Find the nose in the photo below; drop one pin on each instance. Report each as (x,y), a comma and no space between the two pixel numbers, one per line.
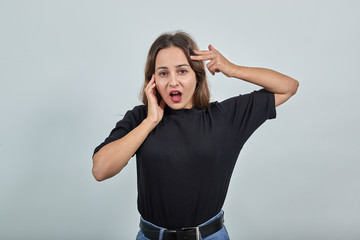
(173,81)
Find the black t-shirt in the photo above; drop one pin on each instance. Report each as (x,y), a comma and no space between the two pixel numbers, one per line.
(185,164)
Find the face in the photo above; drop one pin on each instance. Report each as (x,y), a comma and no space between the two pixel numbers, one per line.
(175,80)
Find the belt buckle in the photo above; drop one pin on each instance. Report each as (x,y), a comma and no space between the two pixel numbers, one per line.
(196,230)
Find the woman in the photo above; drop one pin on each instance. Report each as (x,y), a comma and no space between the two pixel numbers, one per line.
(186,147)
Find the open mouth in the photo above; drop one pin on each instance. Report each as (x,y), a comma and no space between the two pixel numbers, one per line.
(175,96)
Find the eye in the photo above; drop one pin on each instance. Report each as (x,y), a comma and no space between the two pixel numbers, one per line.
(162,74)
(182,71)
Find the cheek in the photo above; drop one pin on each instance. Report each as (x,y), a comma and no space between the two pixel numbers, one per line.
(161,89)
(192,81)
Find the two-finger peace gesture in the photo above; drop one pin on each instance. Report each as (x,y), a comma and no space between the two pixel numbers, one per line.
(218,63)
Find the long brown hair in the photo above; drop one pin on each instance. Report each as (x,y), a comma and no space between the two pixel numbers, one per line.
(182,40)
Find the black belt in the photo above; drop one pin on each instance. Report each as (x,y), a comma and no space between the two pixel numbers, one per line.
(191,233)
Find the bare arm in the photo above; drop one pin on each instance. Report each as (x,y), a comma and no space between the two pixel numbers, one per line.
(113,157)
(281,85)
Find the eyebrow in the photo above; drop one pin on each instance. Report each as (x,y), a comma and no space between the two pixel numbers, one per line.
(177,66)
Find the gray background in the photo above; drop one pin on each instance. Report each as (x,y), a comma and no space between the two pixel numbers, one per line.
(69,70)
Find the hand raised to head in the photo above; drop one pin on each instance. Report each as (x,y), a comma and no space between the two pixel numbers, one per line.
(218,63)
(155,110)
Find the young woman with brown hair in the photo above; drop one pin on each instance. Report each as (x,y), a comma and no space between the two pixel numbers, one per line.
(186,147)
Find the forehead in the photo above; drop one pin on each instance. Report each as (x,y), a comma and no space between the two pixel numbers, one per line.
(171,56)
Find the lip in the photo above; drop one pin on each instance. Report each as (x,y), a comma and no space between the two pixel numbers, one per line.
(175,98)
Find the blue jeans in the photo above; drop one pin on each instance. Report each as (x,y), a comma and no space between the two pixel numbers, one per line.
(222,234)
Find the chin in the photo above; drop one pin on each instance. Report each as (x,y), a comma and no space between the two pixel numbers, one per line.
(175,106)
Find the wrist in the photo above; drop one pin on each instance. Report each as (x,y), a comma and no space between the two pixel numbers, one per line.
(149,123)
(234,71)
(237,71)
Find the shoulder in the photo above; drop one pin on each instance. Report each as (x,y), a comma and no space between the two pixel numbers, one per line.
(139,110)
(245,98)
(135,115)
(259,100)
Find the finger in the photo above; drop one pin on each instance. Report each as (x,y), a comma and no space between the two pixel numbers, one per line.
(211,48)
(198,58)
(152,80)
(211,71)
(213,67)
(201,51)
(203,57)
(150,92)
(150,88)
(209,66)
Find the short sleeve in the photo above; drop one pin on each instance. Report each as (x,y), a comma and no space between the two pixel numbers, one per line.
(247,112)
(130,121)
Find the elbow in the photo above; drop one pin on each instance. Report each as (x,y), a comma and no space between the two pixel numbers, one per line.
(106,165)
(97,171)
(97,174)
(102,169)
(294,87)
(280,98)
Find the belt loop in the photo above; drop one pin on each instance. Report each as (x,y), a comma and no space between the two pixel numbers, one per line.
(161,233)
(197,233)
